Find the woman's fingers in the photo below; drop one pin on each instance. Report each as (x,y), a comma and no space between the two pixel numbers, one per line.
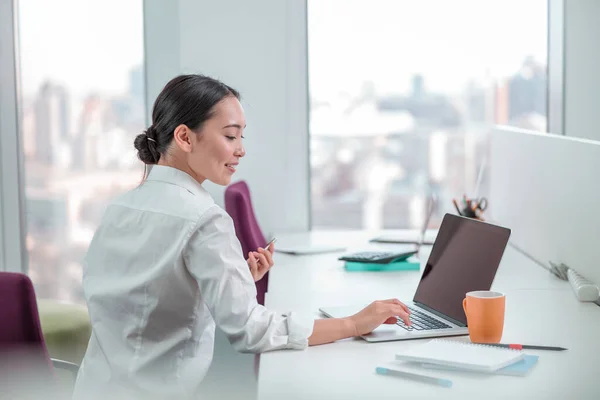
(253,264)
(261,259)
(398,311)
(396,301)
(404,307)
(268,255)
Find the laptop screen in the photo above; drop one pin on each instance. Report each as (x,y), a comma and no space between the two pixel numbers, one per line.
(465,257)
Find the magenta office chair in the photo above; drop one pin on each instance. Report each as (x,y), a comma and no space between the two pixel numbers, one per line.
(23,350)
(238,205)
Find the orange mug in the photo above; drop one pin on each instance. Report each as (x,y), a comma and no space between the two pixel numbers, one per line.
(485,315)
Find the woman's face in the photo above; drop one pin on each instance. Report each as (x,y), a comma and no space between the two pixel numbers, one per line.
(216,151)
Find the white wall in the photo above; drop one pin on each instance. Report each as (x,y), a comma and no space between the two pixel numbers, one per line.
(582,63)
(259,48)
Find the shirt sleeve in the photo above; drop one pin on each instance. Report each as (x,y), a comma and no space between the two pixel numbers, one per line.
(214,258)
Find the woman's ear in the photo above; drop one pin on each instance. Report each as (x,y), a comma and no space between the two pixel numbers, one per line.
(183,139)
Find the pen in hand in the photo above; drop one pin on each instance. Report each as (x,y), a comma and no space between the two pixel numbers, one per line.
(266,248)
(270,243)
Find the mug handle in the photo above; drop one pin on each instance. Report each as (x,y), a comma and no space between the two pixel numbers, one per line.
(465,305)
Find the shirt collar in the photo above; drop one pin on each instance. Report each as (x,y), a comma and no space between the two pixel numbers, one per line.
(174,176)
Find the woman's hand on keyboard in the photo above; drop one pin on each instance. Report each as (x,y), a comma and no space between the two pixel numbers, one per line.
(379,312)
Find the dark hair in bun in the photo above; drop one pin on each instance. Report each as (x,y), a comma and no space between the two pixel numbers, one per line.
(146,145)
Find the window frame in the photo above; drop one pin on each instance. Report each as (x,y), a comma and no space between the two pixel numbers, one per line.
(556,67)
(13,251)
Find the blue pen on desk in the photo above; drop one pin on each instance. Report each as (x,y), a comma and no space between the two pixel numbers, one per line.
(412,375)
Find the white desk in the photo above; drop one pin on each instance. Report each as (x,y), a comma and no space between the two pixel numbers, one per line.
(540,309)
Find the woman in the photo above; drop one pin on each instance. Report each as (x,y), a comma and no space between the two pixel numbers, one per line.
(165,266)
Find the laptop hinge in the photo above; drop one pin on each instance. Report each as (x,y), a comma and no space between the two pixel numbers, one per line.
(439,314)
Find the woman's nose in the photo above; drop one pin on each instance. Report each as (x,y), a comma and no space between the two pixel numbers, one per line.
(240,152)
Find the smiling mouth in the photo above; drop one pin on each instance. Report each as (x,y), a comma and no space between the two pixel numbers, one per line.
(231,167)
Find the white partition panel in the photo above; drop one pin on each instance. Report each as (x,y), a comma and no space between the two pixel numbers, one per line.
(546,188)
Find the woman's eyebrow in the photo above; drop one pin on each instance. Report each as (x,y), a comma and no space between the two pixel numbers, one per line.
(238,126)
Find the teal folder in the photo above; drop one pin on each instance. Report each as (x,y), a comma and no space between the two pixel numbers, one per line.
(410,264)
(520,368)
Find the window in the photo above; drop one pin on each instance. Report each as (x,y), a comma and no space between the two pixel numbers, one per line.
(403,94)
(82,101)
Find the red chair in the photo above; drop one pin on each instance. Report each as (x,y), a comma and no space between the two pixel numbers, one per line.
(238,205)
(25,365)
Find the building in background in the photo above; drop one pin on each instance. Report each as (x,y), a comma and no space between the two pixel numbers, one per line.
(402,109)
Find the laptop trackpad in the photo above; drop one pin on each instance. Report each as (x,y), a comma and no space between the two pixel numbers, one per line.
(386,332)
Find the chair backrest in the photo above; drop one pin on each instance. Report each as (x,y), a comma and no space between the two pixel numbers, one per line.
(238,204)
(22,344)
(19,318)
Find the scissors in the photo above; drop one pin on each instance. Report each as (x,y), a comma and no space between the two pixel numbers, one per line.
(480,204)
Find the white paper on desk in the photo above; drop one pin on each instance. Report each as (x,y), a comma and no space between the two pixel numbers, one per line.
(309,249)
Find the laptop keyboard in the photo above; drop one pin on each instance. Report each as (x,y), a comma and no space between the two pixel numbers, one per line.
(421,321)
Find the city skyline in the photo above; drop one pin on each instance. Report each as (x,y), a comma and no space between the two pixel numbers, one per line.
(59,127)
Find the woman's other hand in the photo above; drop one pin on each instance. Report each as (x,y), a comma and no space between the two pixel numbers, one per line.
(260,262)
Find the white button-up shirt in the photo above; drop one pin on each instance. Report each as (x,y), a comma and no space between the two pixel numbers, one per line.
(163,267)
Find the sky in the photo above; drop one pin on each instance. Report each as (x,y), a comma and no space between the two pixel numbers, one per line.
(448,42)
(90,45)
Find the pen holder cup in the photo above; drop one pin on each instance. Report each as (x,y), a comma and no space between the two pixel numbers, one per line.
(471,208)
(469,213)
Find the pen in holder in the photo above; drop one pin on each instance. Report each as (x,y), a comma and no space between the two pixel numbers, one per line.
(471,208)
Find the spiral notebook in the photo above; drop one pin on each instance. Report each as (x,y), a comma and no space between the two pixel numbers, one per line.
(520,368)
(467,356)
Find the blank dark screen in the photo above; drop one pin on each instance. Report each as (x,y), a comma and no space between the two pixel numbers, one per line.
(465,257)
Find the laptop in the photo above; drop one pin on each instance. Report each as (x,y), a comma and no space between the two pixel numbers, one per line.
(409,237)
(465,257)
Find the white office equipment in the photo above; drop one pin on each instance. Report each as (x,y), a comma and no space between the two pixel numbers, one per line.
(584,290)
